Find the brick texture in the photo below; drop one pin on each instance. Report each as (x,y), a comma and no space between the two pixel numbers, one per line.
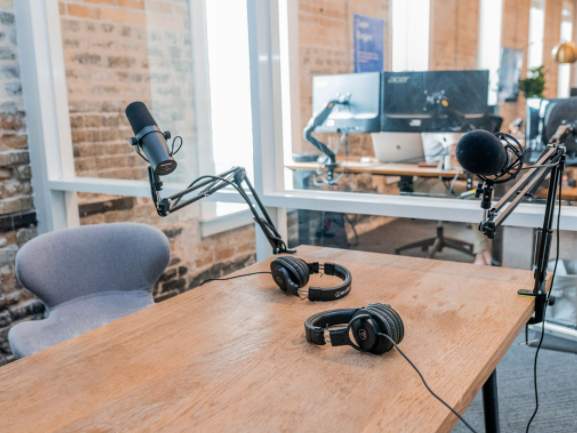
(17,216)
(135,50)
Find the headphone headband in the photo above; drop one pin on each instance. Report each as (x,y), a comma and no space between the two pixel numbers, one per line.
(316,325)
(331,293)
(292,274)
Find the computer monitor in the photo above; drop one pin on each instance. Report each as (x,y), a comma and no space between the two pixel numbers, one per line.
(544,116)
(413,101)
(361,114)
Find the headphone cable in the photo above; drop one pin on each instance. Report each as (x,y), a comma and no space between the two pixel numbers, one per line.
(425,383)
(232,278)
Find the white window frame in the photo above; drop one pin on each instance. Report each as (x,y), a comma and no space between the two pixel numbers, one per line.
(210,223)
(55,183)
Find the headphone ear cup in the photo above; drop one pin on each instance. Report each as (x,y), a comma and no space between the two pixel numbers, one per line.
(399,325)
(365,332)
(301,268)
(297,267)
(388,322)
(290,273)
(282,278)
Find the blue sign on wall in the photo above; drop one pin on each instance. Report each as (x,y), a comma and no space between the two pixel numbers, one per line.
(369,43)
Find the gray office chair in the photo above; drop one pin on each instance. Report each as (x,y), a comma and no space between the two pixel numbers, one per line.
(87,277)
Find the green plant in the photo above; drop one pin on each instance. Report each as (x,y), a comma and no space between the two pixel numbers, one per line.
(534,84)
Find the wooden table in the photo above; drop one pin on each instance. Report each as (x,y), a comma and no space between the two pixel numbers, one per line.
(232,356)
(567,193)
(381,168)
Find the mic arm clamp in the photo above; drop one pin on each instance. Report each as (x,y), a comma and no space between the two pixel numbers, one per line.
(206,186)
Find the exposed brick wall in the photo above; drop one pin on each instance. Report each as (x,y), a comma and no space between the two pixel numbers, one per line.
(17,215)
(454,30)
(116,52)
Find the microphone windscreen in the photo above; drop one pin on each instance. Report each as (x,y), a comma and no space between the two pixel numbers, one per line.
(481,153)
(139,117)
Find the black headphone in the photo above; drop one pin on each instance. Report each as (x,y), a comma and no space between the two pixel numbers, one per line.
(292,274)
(369,326)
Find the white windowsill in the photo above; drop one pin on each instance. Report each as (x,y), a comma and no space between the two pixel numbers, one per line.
(216,225)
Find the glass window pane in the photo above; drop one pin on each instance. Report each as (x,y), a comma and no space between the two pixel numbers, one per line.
(566,35)
(373,117)
(176,56)
(536,33)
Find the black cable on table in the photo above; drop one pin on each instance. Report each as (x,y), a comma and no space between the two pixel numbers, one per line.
(427,386)
(232,278)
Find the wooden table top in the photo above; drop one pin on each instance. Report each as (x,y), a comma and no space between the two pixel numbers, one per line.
(232,356)
(381,168)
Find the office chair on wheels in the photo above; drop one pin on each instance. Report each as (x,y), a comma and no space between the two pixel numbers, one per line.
(87,277)
(438,243)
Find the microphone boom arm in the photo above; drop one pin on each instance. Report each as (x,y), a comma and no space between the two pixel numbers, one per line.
(551,161)
(206,186)
(316,121)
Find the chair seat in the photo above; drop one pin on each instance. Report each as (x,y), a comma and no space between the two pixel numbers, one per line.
(75,317)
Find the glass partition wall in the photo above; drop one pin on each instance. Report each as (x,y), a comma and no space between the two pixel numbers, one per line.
(406,168)
(240,92)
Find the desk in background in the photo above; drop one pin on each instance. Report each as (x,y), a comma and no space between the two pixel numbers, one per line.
(382,168)
(567,193)
(232,356)
(304,170)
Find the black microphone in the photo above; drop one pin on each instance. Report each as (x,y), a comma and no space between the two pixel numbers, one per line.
(150,138)
(481,153)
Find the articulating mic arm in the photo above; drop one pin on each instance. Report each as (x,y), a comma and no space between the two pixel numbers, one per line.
(317,121)
(207,185)
(441,105)
(551,161)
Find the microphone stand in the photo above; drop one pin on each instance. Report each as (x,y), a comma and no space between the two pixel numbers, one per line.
(207,185)
(551,161)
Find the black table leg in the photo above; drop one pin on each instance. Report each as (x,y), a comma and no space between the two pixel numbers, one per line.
(491,404)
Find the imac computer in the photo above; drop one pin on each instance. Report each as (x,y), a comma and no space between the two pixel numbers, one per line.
(544,116)
(434,101)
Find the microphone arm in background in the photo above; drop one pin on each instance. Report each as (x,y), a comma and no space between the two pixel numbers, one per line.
(316,121)
(551,162)
(442,106)
(208,185)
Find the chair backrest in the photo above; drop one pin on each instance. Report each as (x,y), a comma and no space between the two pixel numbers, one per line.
(63,265)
